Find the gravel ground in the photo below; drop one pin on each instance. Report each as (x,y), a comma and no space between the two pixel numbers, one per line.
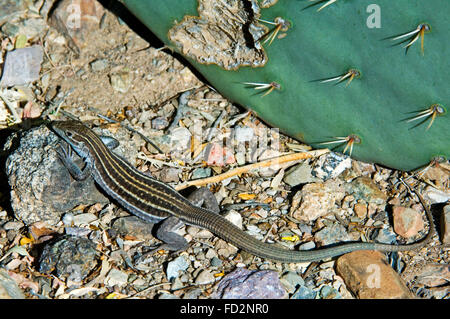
(126,86)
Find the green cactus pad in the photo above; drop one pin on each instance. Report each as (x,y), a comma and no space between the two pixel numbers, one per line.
(352,73)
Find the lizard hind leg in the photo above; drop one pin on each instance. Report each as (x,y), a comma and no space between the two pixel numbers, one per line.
(166,232)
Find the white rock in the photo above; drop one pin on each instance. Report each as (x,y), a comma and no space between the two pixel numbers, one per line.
(116,277)
(234,217)
(436,196)
(204,277)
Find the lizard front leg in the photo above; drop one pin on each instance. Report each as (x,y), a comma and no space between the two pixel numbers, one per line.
(65,154)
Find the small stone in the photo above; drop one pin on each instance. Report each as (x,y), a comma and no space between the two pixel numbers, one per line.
(436,196)
(204,277)
(328,292)
(99,65)
(216,262)
(67,219)
(332,234)
(8,287)
(291,281)
(407,221)
(84,219)
(445,225)
(116,277)
(234,217)
(307,246)
(175,266)
(22,66)
(133,226)
(169,175)
(121,81)
(360,210)
(246,284)
(71,257)
(365,188)
(331,165)
(385,236)
(299,174)
(304,292)
(210,253)
(160,123)
(201,173)
(166,295)
(12,225)
(316,200)
(368,275)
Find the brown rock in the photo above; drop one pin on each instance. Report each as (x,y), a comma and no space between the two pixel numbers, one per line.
(407,221)
(367,274)
(316,199)
(360,210)
(366,189)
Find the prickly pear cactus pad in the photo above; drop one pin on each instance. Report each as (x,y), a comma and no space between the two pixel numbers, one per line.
(368,78)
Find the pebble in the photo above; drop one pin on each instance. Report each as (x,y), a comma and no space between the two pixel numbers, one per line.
(234,217)
(99,65)
(216,262)
(175,266)
(407,221)
(368,275)
(247,284)
(365,188)
(307,246)
(169,175)
(8,287)
(316,199)
(331,165)
(22,66)
(133,226)
(435,196)
(121,81)
(299,174)
(386,236)
(328,292)
(116,277)
(445,225)
(201,173)
(360,210)
(332,234)
(304,292)
(160,123)
(291,281)
(67,219)
(12,225)
(71,257)
(205,277)
(84,219)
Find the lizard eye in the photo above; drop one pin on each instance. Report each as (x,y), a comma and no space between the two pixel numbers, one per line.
(69,134)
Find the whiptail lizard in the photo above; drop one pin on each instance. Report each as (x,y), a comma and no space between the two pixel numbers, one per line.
(155,201)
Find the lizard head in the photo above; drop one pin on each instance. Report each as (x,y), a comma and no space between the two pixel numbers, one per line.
(75,133)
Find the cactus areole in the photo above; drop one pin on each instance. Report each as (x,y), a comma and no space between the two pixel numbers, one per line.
(365,77)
